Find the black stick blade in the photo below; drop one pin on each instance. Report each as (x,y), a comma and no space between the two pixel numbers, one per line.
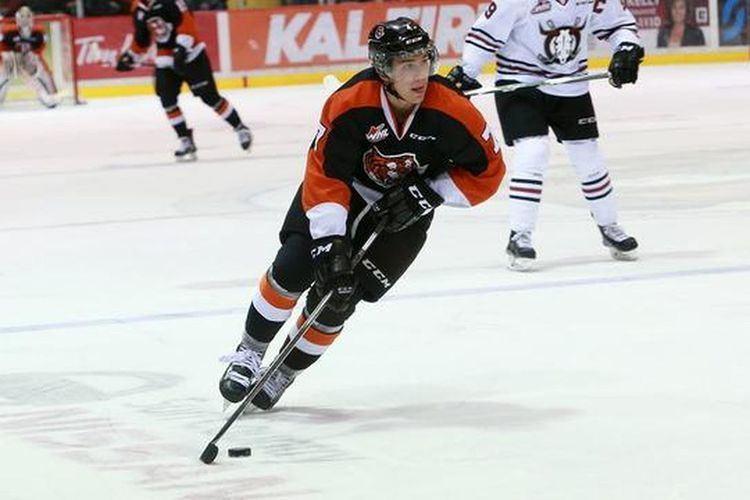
(209,454)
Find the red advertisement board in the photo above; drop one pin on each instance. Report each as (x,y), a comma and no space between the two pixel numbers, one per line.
(99,40)
(265,39)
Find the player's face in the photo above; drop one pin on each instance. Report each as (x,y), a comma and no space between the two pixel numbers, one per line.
(410,77)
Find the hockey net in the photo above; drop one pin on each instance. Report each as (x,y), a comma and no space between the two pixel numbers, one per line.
(59,55)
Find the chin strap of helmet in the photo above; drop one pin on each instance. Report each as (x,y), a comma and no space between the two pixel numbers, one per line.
(388,86)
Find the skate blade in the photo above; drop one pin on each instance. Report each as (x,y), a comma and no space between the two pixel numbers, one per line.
(624,256)
(186,158)
(521,264)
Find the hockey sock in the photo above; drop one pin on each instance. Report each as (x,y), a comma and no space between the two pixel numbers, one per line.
(312,345)
(594,177)
(530,158)
(227,112)
(177,120)
(271,306)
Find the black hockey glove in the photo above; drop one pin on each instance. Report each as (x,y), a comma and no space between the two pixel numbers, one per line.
(461,80)
(126,62)
(624,65)
(405,204)
(332,269)
(179,58)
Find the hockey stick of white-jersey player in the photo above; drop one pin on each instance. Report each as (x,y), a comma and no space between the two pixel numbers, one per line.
(549,82)
(211,450)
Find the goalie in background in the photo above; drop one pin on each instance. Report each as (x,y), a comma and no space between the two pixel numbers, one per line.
(180,57)
(21,47)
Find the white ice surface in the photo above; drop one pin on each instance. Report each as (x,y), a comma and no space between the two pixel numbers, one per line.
(124,276)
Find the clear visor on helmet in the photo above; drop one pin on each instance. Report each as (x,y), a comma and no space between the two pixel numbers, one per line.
(412,64)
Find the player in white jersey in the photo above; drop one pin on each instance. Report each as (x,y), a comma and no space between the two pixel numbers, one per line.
(533,40)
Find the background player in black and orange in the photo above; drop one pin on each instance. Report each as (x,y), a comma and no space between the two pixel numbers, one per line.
(180,57)
(21,45)
(394,142)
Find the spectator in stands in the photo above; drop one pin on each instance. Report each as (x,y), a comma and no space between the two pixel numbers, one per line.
(678,26)
(207,4)
(105,7)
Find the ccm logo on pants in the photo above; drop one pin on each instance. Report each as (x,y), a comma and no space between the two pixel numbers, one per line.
(379,275)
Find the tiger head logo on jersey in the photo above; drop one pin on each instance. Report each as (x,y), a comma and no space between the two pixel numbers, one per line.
(561,45)
(386,170)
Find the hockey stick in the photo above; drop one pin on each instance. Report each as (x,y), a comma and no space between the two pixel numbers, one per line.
(549,82)
(211,450)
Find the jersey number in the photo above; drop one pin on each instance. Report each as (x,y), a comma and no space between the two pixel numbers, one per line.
(491,8)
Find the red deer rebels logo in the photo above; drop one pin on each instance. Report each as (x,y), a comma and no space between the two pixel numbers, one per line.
(562,44)
(386,170)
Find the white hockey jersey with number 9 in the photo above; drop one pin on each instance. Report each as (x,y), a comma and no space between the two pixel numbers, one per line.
(532,40)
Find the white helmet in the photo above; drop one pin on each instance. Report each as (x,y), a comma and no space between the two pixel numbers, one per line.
(24,18)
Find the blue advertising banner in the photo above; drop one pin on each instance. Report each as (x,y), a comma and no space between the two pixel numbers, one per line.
(734,22)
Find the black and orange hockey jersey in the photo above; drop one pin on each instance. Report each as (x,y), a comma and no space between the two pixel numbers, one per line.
(12,40)
(167,23)
(359,146)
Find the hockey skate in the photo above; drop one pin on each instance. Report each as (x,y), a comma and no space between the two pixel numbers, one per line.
(274,388)
(245,137)
(243,369)
(621,246)
(521,253)
(186,150)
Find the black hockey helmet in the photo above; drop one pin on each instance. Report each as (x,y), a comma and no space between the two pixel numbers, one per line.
(400,37)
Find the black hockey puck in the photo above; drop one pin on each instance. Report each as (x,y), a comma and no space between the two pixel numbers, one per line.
(240,452)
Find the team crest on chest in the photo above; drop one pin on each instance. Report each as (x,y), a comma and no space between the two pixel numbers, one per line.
(561,45)
(387,170)
(377,133)
(160,29)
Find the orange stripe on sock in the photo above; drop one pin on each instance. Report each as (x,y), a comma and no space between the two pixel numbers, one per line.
(319,338)
(174,114)
(273,297)
(223,105)
(316,336)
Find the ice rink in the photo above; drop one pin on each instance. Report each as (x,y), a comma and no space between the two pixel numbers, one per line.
(125,276)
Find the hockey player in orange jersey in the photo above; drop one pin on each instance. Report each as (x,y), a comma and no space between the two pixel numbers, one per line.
(394,143)
(180,57)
